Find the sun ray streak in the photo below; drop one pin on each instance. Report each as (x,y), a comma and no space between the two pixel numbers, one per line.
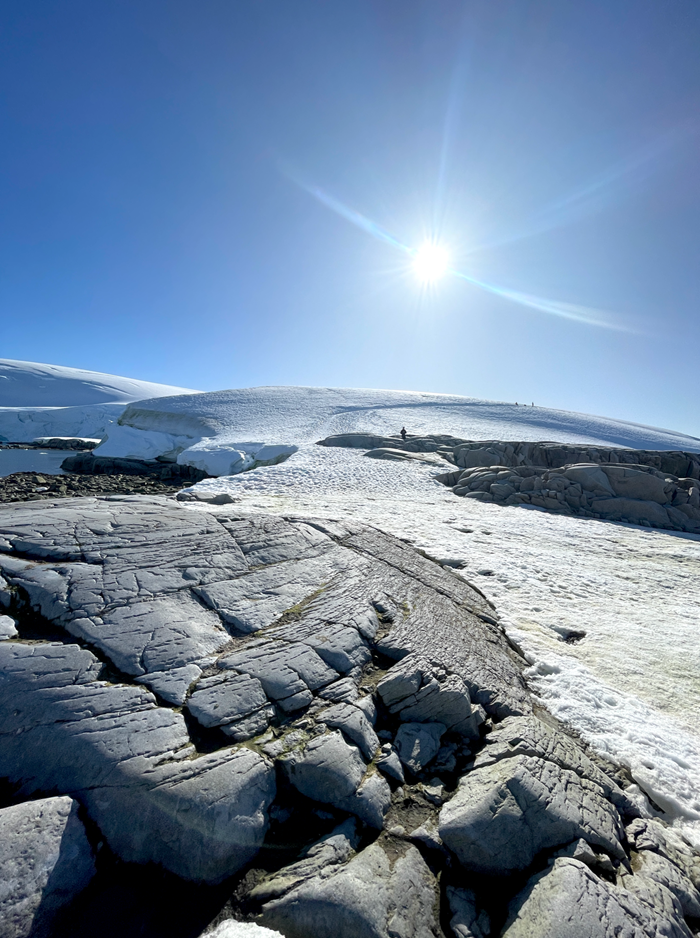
(571,311)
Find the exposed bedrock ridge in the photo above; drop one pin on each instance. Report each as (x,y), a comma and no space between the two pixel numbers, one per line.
(468,454)
(361,677)
(633,493)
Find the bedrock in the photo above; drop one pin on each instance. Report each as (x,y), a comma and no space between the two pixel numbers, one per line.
(313,707)
(617,492)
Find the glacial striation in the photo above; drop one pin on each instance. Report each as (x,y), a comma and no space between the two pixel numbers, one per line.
(313,714)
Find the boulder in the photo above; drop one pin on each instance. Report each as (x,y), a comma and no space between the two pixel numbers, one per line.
(380,893)
(504,814)
(568,901)
(354,725)
(45,861)
(421,691)
(324,768)
(643,484)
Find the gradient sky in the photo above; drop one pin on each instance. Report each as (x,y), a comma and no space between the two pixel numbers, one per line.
(221,193)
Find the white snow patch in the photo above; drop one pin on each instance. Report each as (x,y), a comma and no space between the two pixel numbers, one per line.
(233,929)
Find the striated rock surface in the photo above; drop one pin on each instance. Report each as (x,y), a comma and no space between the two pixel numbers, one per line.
(317,711)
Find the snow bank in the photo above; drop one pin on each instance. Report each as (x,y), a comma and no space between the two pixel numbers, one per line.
(304,415)
(51,400)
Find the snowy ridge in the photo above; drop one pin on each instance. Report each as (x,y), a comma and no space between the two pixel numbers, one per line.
(213,431)
(54,400)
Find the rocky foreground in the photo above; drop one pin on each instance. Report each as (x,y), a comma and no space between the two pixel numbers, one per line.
(305,725)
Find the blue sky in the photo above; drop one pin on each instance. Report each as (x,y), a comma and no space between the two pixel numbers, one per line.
(196,193)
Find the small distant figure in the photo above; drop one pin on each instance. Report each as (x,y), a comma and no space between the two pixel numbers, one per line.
(403,433)
(533,404)
(516,403)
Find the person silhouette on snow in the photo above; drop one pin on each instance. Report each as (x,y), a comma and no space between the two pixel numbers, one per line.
(403,434)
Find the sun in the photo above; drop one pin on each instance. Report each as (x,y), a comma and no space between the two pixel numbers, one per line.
(430,262)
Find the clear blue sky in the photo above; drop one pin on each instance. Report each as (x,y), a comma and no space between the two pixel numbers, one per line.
(164,165)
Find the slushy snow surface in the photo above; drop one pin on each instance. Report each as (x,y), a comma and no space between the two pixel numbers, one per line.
(53,400)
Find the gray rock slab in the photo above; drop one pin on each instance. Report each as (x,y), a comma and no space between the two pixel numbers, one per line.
(370,802)
(267,539)
(171,686)
(569,901)
(123,757)
(7,628)
(390,764)
(45,861)
(648,865)
(325,768)
(422,692)
(417,744)
(371,895)
(283,668)
(354,725)
(253,602)
(504,814)
(636,483)
(226,697)
(344,690)
(529,736)
(649,834)
(317,860)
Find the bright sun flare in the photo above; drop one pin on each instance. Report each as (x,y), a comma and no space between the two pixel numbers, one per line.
(430,262)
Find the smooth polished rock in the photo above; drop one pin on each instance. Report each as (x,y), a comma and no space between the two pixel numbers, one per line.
(45,861)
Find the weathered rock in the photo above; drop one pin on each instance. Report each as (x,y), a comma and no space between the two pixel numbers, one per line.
(647,834)
(172,686)
(652,868)
(502,815)
(225,698)
(390,764)
(354,725)
(529,736)
(370,802)
(45,861)
(113,749)
(325,769)
(371,895)
(422,692)
(569,901)
(317,860)
(418,743)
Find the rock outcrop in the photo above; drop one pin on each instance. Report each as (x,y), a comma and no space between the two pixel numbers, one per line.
(315,709)
(657,489)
